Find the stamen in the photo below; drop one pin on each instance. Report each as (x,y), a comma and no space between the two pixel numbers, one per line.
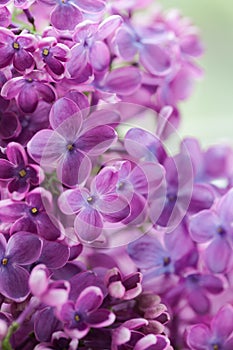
(90,199)
(166,260)
(4,261)
(215,347)
(77,318)
(34,210)
(22,173)
(45,52)
(70,147)
(15,45)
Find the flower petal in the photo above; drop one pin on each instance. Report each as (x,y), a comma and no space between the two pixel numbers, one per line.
(99,56)
(100,318)
(62,110)
(222,323)
(66,16)
(155,59)
(218,255)
(6,170)
(88,224)
(90,6)
(72,201)
(123,81)
(203,226)
(89,300)
(198,337)
(14,282)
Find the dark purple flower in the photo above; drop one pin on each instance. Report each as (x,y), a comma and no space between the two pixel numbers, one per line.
(67,14)
(23,248)
(52,56)
(215,227)
(125,288)
(94,206)
(68,146)
(216,337)
(85,313)
(18,172)
(16,49)
(28,91)
(33,215)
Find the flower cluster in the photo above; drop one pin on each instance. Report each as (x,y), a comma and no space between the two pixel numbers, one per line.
(110,237)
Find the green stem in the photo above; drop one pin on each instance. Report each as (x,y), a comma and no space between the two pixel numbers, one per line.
(6,345)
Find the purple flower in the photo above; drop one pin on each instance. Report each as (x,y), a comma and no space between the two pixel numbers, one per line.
(52,56)
(125,288)
(23,248)
(68,146)
(90,47)
(215,226)
(217,336)
(94,206)
(67,14)
(166,256)
(33,215)
(85,313)
(48,292)
(28,90)
(153,54)
(18,172)
(16,49)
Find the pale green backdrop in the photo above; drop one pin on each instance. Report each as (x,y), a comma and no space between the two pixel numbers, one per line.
(209,112)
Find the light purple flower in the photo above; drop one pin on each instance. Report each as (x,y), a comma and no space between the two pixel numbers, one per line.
(94,206)
(23,248)
(215,226)
(217,336)
(90,47)
(68,146)
(18,172)
(67,14)
(85,313)
(17,49)
(48,292)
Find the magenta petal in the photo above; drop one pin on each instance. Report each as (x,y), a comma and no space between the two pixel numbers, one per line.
(203,226)
(54,66)
(100,318)
(51,260)
(24,248)
(222,322)
(23,60)
(78,61)
(218,255)
(62,110)
(105,182)
(3,244)
(108,27)
(198,337)
(47,227)
(47,147)
(99,56)
(6,169)
(72,201)
(229,344)
(114,208)
(14,282)
(18,188)
(88,224)
(90,6)
(155,59)
(28,99)
(125,43)
(74,168)
(89,300)
(97,140)
(16,154)
(11,211)
(199,301)
(9,126)
(101,117)
(12,87)
(123,81)
(66,16)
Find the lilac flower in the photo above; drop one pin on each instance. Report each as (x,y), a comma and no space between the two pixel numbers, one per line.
(16,49)
(85,313)
(125,288)
(48,292)
(67,14)
(60,340)
(18,172)
(28,90)
(68,146)
(90,47)
(33,215)
(94,206)
(52,56)
(217,336)
(23,248)
(163,257)
(153,54)
(215,226)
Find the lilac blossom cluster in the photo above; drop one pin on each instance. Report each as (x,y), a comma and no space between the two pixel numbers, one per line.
(109,238)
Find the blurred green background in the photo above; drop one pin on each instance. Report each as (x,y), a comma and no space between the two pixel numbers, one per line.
(208,114)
